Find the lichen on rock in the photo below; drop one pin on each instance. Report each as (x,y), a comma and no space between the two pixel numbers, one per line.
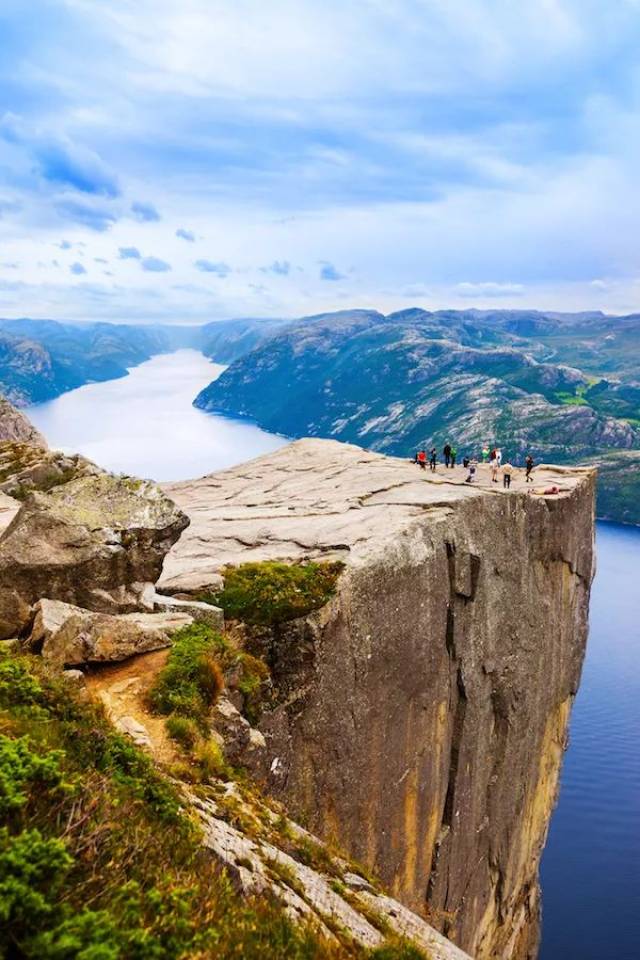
(97,541)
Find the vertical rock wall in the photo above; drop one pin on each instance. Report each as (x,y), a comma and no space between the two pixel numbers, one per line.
(424,711)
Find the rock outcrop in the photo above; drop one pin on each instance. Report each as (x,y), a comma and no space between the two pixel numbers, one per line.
(332,897)
(70,636)
(423,711)
(97,541)
(15,426)
(27,468)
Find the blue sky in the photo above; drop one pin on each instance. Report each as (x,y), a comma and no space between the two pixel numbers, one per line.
(202,159)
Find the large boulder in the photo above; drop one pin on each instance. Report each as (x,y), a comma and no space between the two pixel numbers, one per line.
(69,636)
(98,542)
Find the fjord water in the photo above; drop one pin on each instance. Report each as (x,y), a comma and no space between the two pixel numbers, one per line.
(145,424)
(591,865)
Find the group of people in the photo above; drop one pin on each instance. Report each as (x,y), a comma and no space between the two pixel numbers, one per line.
(491,456)
(449,454)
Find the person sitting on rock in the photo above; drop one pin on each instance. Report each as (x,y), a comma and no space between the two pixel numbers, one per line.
(472,472)
(465,462)
(507,470)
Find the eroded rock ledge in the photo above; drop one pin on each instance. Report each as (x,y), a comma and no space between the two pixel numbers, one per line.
(424,726)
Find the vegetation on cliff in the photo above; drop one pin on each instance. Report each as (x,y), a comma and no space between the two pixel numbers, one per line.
(190,682)
(270,592)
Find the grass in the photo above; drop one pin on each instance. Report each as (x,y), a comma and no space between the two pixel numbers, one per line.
(272,592)
(183,730)
(191,680)
(402,950)
(97,860)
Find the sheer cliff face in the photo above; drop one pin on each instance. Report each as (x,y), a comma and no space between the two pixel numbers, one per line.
(424,711)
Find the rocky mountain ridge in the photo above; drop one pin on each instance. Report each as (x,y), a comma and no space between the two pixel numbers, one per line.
(40,359)
(561,387)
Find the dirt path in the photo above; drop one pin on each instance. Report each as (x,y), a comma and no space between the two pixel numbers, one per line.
(122,689)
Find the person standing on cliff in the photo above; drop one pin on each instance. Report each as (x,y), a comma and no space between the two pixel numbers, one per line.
(485,453)
(454,454)
(507,470)
(422,459)
(529,465)
(433,459)
(447,454)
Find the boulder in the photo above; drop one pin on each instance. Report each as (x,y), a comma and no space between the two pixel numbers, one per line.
(68,635)
(97,541)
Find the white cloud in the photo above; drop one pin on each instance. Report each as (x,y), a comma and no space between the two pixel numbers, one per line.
(489,288)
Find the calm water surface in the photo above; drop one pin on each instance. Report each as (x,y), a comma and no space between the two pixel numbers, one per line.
(591,866)
(144,424)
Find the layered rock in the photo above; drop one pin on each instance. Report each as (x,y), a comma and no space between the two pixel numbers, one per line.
(423,711)
(97,541)
(332,898)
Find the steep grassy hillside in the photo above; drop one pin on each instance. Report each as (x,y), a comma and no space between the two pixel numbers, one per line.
(101,860)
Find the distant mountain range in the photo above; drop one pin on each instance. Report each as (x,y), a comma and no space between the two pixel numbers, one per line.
(40,359)
(565,387)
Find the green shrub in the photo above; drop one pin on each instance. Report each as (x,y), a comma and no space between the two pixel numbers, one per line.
(191,680)
(210,759)
(253,675)
(18,686)
(272,592)
(182,729)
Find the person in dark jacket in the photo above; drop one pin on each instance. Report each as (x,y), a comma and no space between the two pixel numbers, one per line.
(433,459)
(529,465)
(447,454)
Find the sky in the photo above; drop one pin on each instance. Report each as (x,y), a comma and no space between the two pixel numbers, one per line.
(193,160)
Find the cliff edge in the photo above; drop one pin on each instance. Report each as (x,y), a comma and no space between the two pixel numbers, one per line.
(422,713)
